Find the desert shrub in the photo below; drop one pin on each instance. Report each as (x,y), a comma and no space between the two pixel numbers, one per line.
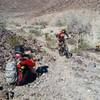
(75,50)
(50,41)
(72,41)
(60,22)
(82,45)
(15,24)
(28,27)
(79,26)
(42,23)
(2,26)
(22,31)
(14,40)
(35,31)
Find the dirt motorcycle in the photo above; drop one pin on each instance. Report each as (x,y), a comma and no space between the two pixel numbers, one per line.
(63,50)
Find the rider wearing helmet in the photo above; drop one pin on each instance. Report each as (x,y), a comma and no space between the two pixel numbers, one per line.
(25,63)
(62,46)
(61,36)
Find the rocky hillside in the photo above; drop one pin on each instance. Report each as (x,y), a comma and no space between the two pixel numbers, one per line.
(44,6)
(77,78)
(5,47)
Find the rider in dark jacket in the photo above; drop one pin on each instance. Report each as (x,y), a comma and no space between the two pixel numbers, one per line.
(61,37)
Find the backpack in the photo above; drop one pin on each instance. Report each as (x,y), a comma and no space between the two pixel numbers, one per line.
(11,72)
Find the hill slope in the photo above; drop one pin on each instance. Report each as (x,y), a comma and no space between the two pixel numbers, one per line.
(38,7)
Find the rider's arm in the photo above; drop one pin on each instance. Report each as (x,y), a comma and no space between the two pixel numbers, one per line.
(67,35)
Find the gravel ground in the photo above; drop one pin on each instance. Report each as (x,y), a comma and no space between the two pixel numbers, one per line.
(77,78)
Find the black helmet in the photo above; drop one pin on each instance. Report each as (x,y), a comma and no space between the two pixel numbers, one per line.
(19,49)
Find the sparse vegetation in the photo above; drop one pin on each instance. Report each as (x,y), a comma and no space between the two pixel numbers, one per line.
(41,23)
(15,24)
(14,40)
(72,41)
(81,46)
(2,26)
(35,31)
(50,41)
(60,22)
(22,31)
(76,78)
(79,29)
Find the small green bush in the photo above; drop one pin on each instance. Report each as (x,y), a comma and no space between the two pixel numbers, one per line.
(36,32)
(14,40)
(50,41)
(82,46)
